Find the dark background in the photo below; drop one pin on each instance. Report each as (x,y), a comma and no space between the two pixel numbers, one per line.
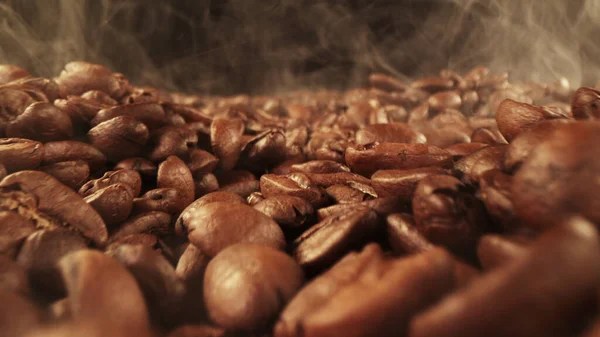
(232,46)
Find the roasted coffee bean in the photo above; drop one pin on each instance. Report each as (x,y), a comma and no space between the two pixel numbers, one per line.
(201,161)
(445,136)
(560,178)
(173,173)
(329,179)
(172,141)
(471,167)
(247,285)
(48,88)
(254,198)
(401,183)
(432,84)
(41,121)
(445,100)
(168,200)
(113,203)
(79,77)
(143,166)
(68,150)
(320,166)
(18,316)
(486,136)
(10,73)
(265,150)
(386,83)
(158,223)
(326,242)
(13,277)
(361,307)
(382,206)
(73,174)
(159,283)
(3,172)
(190,269)
(127,177)
(389,133)
(522,146)
(148,240)
(514,118)
(495,192)
(40,254)
(119,138)
(214,226)
(205,183)
(60,202)
(366,160)
(99,96)
(13,103)
(495,302)
(80,110)
(495,250)
(243,188)
(216,196)
(461,150)
(403,235)
(289,212)
(226,141)
(585,103)
(13,230)
(103,295)
(151,114)
(447,214)
(296,185)
(17,154)
(345,194)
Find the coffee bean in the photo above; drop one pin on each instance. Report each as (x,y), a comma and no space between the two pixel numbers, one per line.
(559,178)
(320,166)
(113,203)
(79,77)
(17,154)
(329,240)
(296,185)
(144,239)
(18,316)
(247,285)
(158,223)
(496,301)
(40,254)
(73,174)
(486,136)
(168,200)
(471,167)
(329,179)
(495,250)
(198,331)
(495,192)
(144,167)
(522,146)
(445,100)
(389,133)
(214,226)
(99,96)
(514,117)
(13,230)
(67,150)
(366,160)
(129,178)
(60,202)
(205,183)
(401,183)
(382,206)
(13,103)
(226,141)
(202,161)
(386,83)
(80,110)
(345,194)
(586,103)
(447,214)
(432,84)
(157,280)
(264,150)
(403,236)
(174,173)
(254,198)
(289,212)
(119,138)
(151,114)
(172,141)
(190,269)
(10,73)
(41,121)
(464,149)
(103,295)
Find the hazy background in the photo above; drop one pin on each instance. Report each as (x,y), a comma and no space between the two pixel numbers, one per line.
(230,46)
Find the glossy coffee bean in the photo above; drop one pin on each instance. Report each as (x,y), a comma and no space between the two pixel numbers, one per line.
(247,285)
(295,184)
(153,222)
(119,138)
(514,117)
(289,212)
(386,83)
(68,150)
(172,141)
(14,229)
(495,250)
(173,173)
(129,178)
(346,194)
(226,141)
(151,114)
(41,121)
(389,133)
(79,77)
(401,183)
(10,73)
(586,103)
(168,200)
(403,235)
(471,167)
(73,174)
(18,154)
(113,203)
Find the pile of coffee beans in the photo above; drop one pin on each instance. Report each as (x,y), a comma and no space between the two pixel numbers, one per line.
(456,205)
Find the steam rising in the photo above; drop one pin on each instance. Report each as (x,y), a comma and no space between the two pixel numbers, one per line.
(274,45)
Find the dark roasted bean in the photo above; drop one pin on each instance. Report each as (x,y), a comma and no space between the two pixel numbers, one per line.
(401,183)
(119,138)
(71,173)
(67,150)
(17,154)
(174,173)
(151,114)
(289,212)
(127,177)
(471,167)
(79,77)
(113,203)
(172,141)
(403,236)
(295,184)
(514,117)
(226,141)
(41,121)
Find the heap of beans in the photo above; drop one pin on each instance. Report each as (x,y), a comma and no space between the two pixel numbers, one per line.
(457,205)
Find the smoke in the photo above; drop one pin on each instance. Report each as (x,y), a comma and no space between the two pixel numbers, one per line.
(230,46)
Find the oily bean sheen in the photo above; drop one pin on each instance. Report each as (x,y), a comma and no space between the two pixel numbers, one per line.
(247,285)
(514,117)
(287,211)
(18,154)
(366,160)
(401,183)
(173,173)
(217,225)
(119,138)
(41,121)
(68,150)
(390,133)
